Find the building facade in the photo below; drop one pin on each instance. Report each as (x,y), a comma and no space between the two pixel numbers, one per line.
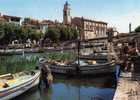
(32,23)
(10,19)
(89,29)
(114,30)
(45,24)
(40,26)
(1,18)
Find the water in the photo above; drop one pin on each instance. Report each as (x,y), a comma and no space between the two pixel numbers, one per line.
(101,88)
(73,89)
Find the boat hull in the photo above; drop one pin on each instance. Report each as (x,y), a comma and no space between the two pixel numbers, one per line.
(84,70)
(16,91)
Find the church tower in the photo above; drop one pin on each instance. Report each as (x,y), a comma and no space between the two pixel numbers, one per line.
(66,14)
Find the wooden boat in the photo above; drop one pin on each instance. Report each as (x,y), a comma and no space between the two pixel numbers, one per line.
(95,57)
(98,68)
(12,85)
(108,67)
(63,69)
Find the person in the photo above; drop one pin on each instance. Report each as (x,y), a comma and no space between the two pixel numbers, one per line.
(45,76)
(125,57)
(132,53)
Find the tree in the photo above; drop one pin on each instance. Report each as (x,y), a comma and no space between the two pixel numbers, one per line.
(137,29)
(68,33)
(35,35)
(11,31)
(75,33)
(53,34)
(1,31)
(61,33)
(64,35)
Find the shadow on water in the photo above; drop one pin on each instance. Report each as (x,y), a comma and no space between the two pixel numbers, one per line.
(101,88)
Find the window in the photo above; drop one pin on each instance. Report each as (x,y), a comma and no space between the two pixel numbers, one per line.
(65,13)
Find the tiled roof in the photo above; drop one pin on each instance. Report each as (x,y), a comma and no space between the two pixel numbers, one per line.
(7,16)
(85,19)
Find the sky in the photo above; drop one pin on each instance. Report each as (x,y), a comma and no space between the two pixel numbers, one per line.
(117,13)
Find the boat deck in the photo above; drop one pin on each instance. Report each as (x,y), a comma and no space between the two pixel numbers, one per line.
(15,81)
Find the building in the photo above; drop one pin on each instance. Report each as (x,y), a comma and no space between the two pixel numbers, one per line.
(1,18)
(114,30)
(89,29)
(66,14)
(45,24)
(32,23)
(40,26)
(10,19)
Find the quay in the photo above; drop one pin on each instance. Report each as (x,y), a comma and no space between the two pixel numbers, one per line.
(128,83)
(127,88)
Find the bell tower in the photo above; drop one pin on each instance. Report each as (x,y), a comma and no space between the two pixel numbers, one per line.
(66,14)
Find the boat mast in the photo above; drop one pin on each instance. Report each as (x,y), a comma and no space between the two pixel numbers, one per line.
(78,51)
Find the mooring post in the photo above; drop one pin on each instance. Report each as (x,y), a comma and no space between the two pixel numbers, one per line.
(78,52)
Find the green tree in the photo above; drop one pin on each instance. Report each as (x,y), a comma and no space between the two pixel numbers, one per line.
(61,33)
(137,29)
(64,34)
(75,34)
(10,32)
(53,34)
(1,31)
(68,33)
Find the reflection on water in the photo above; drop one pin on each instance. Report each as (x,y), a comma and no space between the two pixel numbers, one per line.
(62,89)
(74,89)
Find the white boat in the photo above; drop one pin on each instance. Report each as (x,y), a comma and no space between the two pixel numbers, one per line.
(12,85)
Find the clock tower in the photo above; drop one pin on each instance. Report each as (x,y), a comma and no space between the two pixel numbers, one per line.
(66,14)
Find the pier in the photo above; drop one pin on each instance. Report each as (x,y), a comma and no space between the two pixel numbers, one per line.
(128,84)
(127,88)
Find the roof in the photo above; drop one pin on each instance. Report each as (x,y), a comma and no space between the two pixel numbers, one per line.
(7,16)
(67,3)
(1,18)
(29,21)
(89,20)
(47,22)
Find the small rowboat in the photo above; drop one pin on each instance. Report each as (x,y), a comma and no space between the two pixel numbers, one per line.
(12,85)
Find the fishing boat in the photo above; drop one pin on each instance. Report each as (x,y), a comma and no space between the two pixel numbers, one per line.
(102,56)
(84,68)
(12,85)
(95,69)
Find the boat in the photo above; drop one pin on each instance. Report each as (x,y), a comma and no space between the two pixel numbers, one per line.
(63,69)
(84,68)
(102,56)
(12,85)
(104,68)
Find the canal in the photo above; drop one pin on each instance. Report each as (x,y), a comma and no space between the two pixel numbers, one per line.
(63,88)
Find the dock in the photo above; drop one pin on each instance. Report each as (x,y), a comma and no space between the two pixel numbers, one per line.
(127,88)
